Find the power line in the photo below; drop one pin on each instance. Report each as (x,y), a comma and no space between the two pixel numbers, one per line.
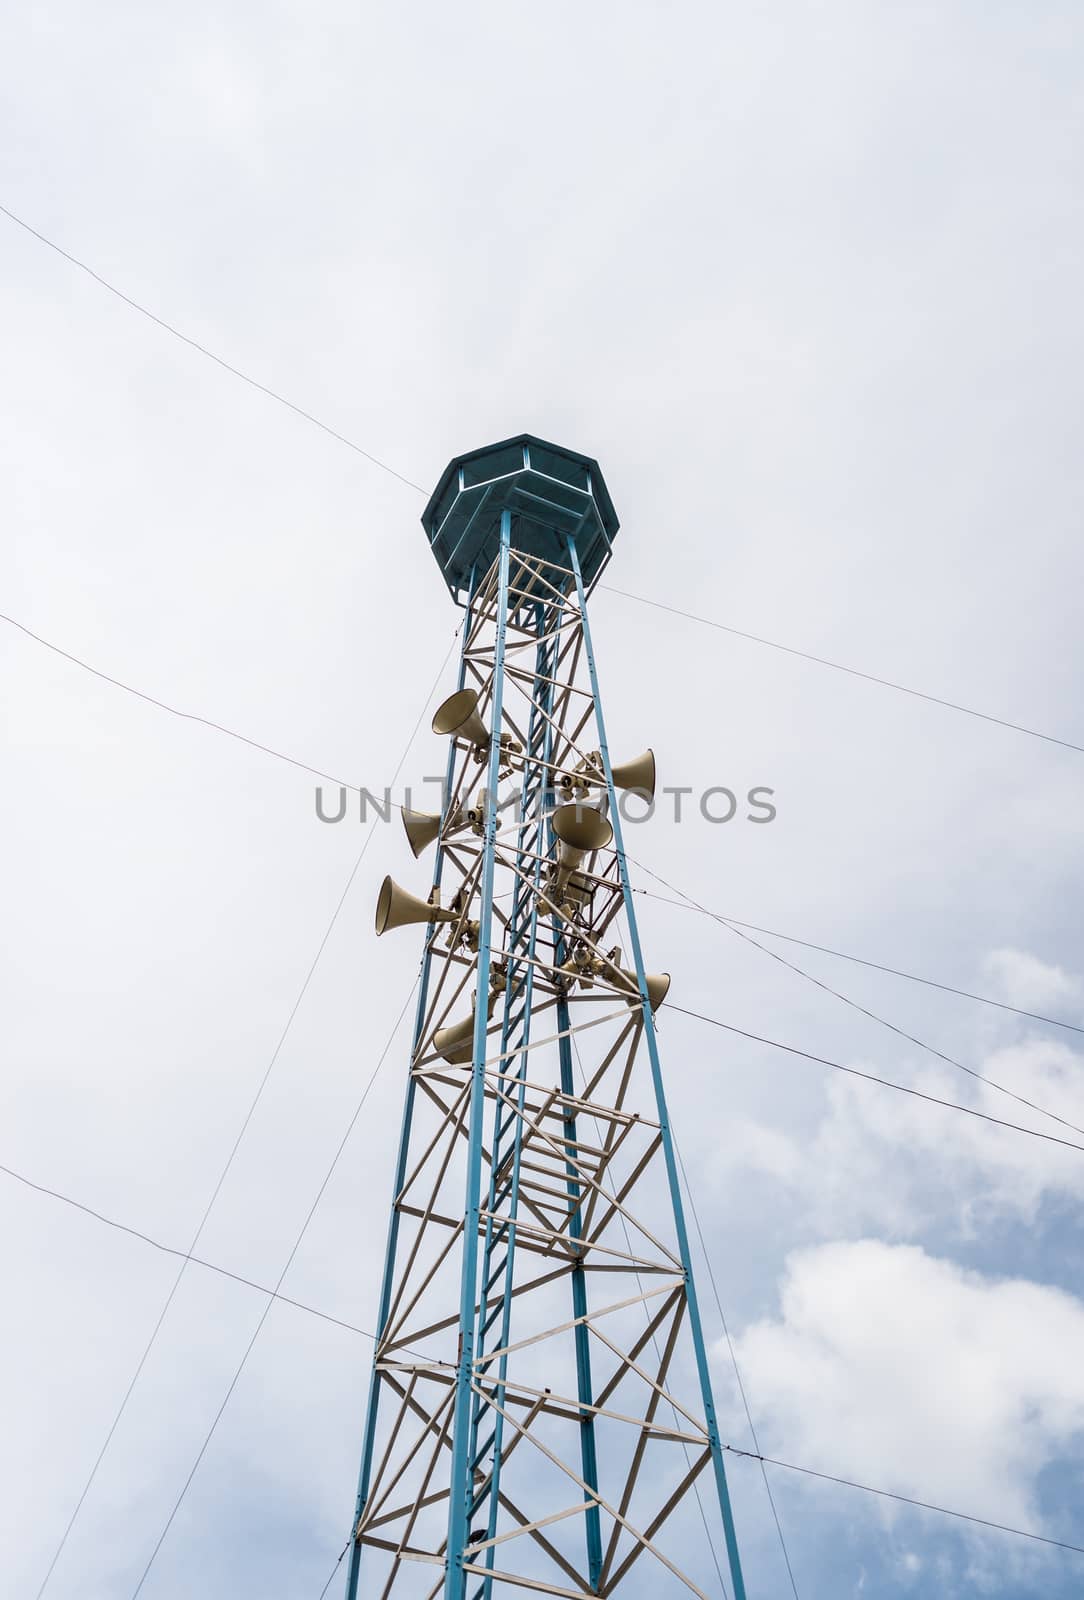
(184,1255)
(871,1077)
(837,666)
(188,716)
(267,1308)
(202,350)
(874,1016)
(230,1158)
(196,1261)
(861,961)
(904,1499)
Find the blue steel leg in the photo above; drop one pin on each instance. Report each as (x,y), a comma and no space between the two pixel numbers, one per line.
(585,1388)
(521,940)
(460,1482)
(353,1571)
(664,1120)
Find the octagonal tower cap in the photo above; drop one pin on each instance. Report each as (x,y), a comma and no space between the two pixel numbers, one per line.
(553,494)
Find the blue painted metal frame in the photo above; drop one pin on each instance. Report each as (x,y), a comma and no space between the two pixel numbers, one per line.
(584,1384)
(487,1283)
(535,801)
(461,1484)
(696,1329)
(520,946)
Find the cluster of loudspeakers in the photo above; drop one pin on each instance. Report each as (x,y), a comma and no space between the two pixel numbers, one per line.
(459,718)
(580,830)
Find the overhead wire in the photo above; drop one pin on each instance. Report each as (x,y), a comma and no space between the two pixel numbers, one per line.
(853,672)
(245,1123)
(162,705)
(908,1500)
(872,1077)
(865,1011)
(861,961)
(197,1261)
(172,1250)
(201,349)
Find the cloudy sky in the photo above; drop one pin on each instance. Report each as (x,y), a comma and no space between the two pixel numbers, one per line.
(806,280)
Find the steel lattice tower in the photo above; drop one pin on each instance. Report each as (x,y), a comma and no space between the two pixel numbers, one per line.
(540,1404)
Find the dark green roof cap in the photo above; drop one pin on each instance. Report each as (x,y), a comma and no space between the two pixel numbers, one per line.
(553,494)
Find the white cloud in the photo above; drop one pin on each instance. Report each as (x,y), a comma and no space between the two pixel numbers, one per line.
(899,1369)
(1026,981)
(766,1150)
(896,1163)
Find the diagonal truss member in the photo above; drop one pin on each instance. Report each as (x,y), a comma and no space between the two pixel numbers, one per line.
(540,1404)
